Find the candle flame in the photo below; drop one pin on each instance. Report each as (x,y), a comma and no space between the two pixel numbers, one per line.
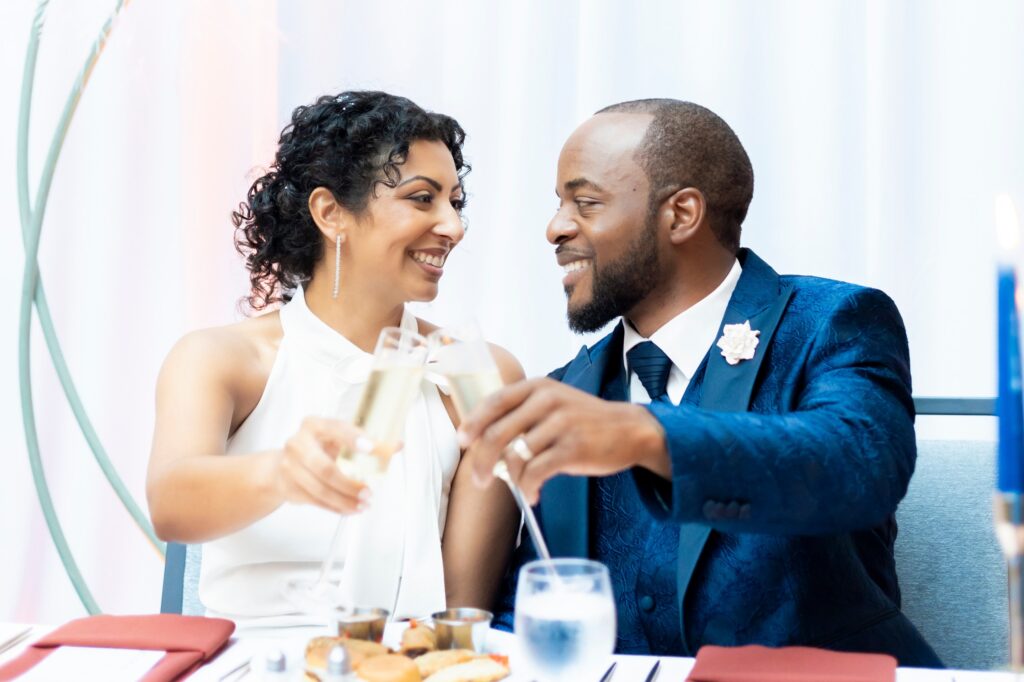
(1007,227)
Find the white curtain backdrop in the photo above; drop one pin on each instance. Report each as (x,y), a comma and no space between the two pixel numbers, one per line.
(879,133)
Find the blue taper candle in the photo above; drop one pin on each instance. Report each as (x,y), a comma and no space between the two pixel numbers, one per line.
(1010,406)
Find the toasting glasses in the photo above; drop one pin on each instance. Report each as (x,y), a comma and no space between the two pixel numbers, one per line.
(394,382)
(464,359)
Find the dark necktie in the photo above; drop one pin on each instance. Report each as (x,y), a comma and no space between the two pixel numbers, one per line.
(651,364)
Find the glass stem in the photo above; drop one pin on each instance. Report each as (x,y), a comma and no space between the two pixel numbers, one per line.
(328,564)
(532,527)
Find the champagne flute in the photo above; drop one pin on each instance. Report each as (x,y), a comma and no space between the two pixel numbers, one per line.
(564,619)
(464,359)
(394,382)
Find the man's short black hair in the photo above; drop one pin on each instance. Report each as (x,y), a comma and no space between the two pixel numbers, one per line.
(687,145)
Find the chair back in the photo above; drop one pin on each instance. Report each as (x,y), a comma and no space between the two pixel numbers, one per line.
(951,570)
(181,580)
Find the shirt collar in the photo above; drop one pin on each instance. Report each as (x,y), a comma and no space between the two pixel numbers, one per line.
(685,338)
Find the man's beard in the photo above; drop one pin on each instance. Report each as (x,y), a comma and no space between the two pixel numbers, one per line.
(618,286)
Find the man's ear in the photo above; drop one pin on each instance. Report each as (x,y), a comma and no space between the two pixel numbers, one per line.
(682,214)
(330,217)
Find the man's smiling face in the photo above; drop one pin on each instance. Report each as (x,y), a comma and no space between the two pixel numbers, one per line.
(605,237)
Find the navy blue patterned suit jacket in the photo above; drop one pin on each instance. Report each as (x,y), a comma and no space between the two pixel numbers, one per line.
(786,472)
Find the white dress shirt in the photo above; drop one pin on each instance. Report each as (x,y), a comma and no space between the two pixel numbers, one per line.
(685,339)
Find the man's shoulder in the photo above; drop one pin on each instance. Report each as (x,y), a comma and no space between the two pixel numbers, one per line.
(821,296)
(839,314)
(810,285)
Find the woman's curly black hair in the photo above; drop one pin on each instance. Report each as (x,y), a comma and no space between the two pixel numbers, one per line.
(348,143)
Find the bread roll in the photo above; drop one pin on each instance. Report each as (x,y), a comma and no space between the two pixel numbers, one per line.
(389,668)
(436,660)
(483,669)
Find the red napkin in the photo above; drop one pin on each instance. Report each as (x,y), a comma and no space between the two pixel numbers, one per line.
(756,663)
(188,640)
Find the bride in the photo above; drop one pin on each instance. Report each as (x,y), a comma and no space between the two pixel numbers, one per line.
(358,215)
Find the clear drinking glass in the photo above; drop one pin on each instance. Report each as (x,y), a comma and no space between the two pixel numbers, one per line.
(394,382)
(463,358)
(461,355)
(391,389)
(564,619)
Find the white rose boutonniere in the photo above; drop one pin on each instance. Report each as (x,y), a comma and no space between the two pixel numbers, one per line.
(738,342)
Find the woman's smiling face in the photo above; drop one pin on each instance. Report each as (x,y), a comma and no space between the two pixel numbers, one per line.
(403,238)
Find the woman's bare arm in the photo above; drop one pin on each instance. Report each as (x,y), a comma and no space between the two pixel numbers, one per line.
(481,527)
(209,383)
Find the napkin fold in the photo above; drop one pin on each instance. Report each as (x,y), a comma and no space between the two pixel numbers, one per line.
(188,640)
(755,663)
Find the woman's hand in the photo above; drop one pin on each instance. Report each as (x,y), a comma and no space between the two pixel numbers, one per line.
(306,472)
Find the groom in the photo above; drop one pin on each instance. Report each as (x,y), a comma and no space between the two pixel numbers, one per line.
(734,450)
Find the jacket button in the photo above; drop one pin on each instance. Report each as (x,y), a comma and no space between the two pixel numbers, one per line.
(647,603)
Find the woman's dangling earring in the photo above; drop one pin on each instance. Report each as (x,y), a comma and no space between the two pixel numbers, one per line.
(337,265)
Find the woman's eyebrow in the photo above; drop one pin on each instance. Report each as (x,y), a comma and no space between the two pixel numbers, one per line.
(433,183)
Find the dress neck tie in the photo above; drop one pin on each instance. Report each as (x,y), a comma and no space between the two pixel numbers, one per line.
(652,366)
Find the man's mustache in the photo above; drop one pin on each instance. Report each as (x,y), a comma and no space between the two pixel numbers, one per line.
(563,250)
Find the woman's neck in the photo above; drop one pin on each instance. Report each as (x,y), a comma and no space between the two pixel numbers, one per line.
(357,315)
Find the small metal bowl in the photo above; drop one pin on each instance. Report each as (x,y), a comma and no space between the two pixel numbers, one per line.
(361,623)
(462,628)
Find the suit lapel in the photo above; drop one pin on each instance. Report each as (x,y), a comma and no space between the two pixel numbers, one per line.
(760,298)
(566,517)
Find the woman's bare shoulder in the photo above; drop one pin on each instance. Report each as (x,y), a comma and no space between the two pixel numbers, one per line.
(237,356)
(508,365)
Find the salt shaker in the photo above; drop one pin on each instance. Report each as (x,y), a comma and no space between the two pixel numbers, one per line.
(339,665)
(275,666)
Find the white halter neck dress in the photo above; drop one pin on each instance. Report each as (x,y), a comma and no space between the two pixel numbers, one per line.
(390,555)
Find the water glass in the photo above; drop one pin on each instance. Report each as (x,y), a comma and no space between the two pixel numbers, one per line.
(564,619)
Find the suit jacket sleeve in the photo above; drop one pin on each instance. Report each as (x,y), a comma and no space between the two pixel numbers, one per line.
(841,460)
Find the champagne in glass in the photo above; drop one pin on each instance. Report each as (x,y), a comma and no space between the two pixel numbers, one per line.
(464,358)
(470,388)
(384,405)
(564,619)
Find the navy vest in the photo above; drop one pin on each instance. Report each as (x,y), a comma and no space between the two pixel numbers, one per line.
(639,549)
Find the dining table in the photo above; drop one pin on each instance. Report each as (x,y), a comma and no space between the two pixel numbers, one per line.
(244,654)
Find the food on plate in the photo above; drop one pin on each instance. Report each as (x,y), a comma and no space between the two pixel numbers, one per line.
(482,669)
(373,662)
(418,639)
(358,650)
(388,668)
(431,662)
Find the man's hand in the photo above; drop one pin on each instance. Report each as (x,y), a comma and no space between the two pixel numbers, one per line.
(567,431)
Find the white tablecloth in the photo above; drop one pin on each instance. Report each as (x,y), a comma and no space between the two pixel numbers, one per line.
(248,646)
